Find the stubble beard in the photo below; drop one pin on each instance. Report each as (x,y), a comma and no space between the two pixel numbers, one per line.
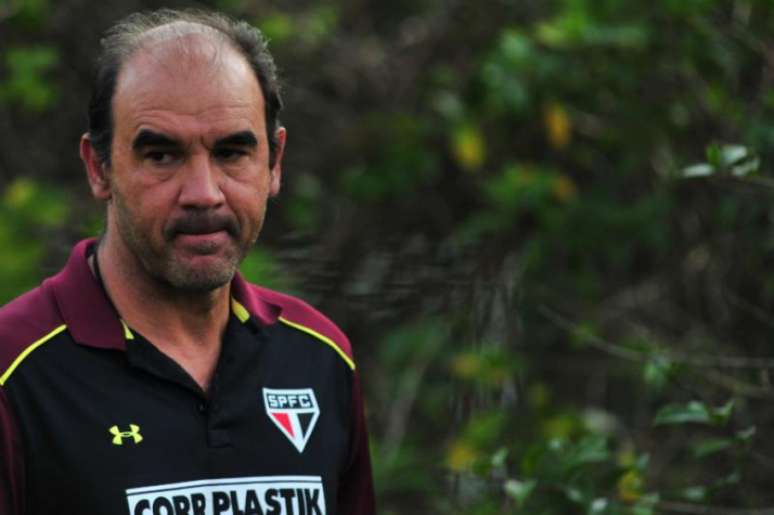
(164,266)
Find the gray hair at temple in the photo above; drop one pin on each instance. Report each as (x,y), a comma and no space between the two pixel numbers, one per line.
(129,35)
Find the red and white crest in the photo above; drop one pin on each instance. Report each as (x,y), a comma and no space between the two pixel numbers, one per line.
(294,412)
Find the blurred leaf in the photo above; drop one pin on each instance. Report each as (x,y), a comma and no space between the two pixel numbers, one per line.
(589,449)
(505,70)
(515,48)
(466,365)
(736,160)
(484,430)
(746,435)
(598,505)
(564,189)
(260,267)
(30,14)
(277,27)
(35,203)
(523,188)
(574,494)
(519,490)
(731,479)
(731,154)
(694,412)
(697,170)
(449,105)
(490,367)
(583,334)
(657,371)
(303,205)
(722,414)
(646,505)
(694,493)
(746,168)
(711,446)
(575,26)
(538,396)
(560,426)
(26,83)
(461,456)
(599,422)
(557,123)
(402,473)
(318,24)
(499,458)
(468,148)
(629,486)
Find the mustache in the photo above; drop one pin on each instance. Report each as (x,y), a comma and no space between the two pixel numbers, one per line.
(202,222)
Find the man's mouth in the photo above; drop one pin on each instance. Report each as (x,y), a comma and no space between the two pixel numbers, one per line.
(202,225)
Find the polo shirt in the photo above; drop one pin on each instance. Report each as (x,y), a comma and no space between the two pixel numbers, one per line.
(94,419)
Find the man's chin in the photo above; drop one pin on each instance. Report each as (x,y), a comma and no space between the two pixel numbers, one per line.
(198,283)
(203,276)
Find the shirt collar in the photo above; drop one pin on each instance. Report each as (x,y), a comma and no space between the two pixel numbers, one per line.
(91,318)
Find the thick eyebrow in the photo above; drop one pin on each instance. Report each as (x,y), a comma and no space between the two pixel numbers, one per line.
(148,138)
(238,139)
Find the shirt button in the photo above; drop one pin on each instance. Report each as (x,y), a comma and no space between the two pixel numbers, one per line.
(202,407)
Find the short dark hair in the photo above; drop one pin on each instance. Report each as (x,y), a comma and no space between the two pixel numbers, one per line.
(129,34)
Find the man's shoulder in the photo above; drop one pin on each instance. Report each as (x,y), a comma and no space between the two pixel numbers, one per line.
(25,322)
(298,314)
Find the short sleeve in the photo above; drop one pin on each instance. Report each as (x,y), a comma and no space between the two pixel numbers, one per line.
(356,491)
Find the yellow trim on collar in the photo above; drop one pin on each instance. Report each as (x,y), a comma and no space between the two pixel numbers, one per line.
(239,310)
(28,350)
(127,332)
(322,338)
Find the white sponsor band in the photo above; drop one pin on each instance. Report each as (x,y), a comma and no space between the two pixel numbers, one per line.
(263,495)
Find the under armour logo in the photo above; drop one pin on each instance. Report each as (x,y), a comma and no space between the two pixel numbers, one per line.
(133,433)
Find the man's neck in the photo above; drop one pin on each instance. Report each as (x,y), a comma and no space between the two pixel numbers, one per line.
(185,326)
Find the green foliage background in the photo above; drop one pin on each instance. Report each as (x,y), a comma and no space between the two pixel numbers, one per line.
(546,226)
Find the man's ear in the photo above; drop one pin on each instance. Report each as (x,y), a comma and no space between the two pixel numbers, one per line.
(95,170)
(276,170)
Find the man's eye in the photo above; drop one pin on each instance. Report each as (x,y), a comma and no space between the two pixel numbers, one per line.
(229,154)
(160,157)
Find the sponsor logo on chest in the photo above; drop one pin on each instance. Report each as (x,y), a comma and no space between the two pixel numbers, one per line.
(294,412)
(263,495)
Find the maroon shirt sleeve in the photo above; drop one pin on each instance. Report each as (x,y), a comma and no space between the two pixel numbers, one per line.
(356,489)
(11,464)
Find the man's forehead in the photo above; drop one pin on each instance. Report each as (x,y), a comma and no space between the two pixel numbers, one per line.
(177,50)
(188,80)
(193,55)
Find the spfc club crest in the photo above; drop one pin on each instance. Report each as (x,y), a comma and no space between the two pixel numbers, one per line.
(294,412)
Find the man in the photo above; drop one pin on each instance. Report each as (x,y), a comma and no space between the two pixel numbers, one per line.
(148,377)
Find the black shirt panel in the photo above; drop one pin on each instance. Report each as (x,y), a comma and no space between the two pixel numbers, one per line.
(95,420)
(67,398)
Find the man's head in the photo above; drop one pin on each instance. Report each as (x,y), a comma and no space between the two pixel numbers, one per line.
(138,30)
(190,157)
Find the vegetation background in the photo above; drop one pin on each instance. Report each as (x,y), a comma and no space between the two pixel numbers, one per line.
(547,226)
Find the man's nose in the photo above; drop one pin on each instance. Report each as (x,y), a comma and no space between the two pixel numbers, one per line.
(201,184)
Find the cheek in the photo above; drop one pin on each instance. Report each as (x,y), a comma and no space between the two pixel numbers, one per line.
(249,205)
(147,205)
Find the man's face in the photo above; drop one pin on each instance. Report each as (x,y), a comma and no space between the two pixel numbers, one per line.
(189,177)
